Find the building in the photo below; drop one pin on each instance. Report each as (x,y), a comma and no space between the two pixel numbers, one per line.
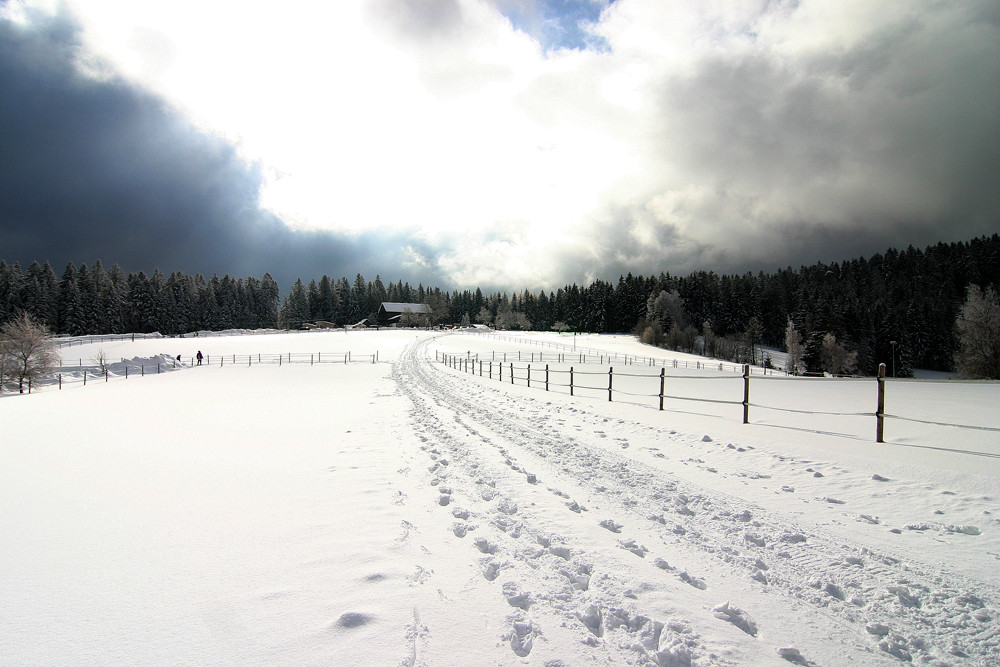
(389,314)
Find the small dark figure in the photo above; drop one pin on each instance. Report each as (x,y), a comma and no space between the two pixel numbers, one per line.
(199,357)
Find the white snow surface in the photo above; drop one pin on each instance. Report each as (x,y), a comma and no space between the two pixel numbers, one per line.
(407,512)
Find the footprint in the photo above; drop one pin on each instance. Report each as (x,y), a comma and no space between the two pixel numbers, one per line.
(561,551)
(611,525)
(516,597)
(593,620)
(521,638)
(737,617)
(631,545)
(694,581)
(485,546)
(491,570)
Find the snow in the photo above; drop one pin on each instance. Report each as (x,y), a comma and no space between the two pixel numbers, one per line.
(405,512)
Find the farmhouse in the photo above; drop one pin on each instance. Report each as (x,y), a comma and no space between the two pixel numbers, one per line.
(389,313)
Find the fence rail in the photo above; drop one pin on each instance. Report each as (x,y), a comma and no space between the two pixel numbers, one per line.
(548,376)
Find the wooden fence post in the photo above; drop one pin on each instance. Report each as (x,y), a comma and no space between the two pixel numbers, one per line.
(880,410)
(746,393)
(546,377)
(512,372)
(611,375)
(570,380)
(529,369)
(662,376)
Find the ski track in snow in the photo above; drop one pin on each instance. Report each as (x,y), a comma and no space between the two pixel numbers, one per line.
(587,540)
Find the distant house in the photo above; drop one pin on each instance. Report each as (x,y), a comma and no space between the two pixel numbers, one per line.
(320,324)
(389,313)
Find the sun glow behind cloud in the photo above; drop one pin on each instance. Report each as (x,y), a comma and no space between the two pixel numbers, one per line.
(356,126)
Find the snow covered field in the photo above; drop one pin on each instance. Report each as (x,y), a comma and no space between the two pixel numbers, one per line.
(408,513)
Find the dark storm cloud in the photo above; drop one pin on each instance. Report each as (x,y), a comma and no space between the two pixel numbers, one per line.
(98,169)
(889,142)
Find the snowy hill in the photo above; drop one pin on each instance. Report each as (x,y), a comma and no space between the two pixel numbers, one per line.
(385,508)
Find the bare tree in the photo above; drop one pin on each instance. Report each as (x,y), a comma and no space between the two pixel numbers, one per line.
(25,351)
(979,334)
(102,360)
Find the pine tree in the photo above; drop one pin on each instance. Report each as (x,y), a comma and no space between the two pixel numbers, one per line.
(295,310)
(70,316)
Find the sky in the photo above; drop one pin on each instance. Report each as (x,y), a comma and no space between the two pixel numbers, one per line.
(502,144)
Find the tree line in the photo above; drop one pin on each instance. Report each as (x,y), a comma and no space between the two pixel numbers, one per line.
(898,305)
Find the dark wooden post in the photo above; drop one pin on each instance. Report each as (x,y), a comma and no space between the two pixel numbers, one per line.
(512,372)
(662,377)
(746,393)
(611,375)
(880,410)
(529,369)
(570,380)
(546,377)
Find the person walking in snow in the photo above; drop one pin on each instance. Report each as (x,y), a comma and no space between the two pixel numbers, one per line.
(199,357)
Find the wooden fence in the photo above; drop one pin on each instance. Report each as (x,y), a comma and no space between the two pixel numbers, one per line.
(589,354)
(82,375)
(546,376)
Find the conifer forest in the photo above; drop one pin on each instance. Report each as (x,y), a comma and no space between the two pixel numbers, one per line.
(901,304)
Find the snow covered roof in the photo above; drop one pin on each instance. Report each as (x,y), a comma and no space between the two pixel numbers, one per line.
(417,308)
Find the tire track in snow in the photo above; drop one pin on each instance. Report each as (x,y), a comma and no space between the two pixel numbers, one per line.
(878,602)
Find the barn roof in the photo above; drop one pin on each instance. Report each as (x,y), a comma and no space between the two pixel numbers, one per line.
(417,308)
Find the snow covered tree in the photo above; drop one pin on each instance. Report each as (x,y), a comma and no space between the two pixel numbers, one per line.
(834,358)
(978,327)
(25,351)
(795,349)
(509,320)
